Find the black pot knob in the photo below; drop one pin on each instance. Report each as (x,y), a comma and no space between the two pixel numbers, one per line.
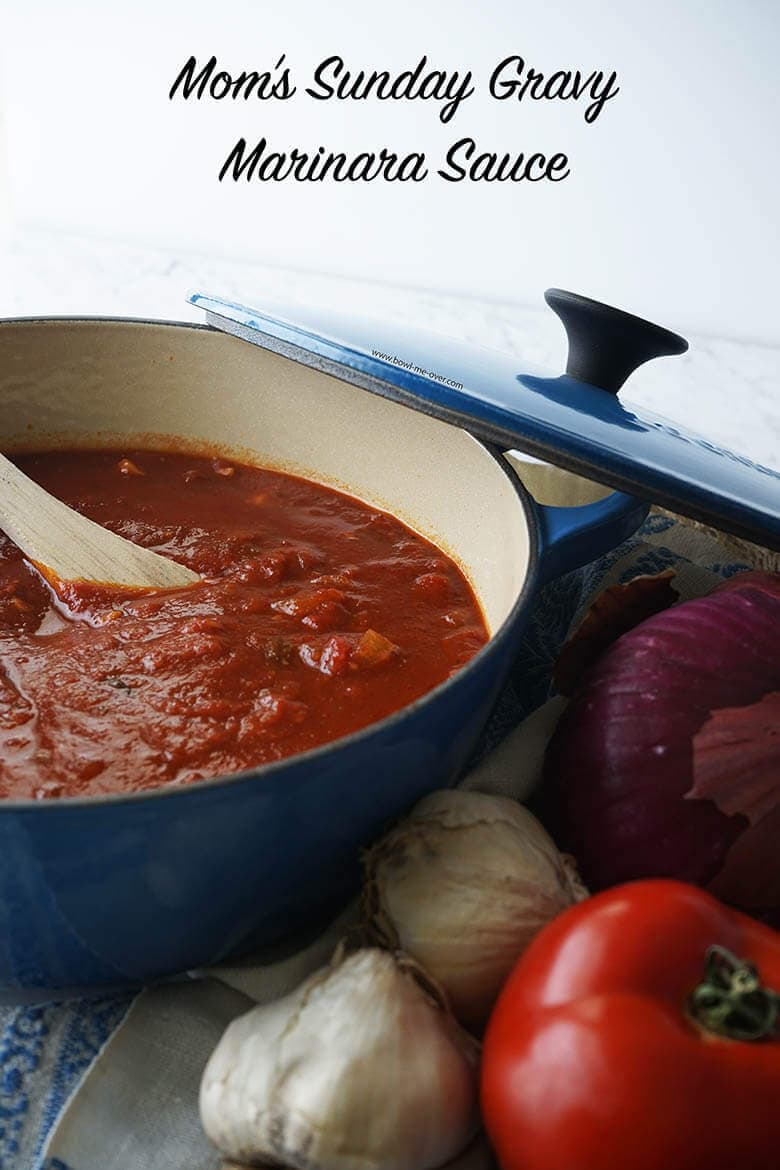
(606,345)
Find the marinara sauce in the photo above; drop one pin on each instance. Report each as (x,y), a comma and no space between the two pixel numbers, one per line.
(316,615)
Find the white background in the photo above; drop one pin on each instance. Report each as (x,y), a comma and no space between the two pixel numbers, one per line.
(670,210)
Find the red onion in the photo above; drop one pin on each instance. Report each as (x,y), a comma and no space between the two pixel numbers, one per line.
(667,760)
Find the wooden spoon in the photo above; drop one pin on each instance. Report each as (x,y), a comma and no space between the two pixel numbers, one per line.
(67,547)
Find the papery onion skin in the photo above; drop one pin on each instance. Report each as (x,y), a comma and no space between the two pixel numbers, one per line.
(620,765)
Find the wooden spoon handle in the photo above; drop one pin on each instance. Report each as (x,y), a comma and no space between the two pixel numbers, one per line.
(66,546)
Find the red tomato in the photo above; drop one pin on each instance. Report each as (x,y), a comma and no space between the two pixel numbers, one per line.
(592,1057)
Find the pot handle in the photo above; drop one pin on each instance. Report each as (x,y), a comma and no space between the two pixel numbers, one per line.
(571,537)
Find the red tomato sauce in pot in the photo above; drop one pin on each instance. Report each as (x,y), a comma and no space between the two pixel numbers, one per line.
(316,615)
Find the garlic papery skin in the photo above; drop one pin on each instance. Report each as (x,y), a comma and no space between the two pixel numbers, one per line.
(360,1068)
(462,885)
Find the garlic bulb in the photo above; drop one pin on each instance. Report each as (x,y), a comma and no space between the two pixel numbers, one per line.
(463,885)
(359,1068)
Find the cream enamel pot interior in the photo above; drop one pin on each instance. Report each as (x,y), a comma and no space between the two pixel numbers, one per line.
(109,891)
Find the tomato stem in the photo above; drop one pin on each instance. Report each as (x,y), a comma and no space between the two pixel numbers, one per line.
(731,1001)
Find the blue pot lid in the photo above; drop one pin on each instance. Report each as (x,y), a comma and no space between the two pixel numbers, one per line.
(574,420)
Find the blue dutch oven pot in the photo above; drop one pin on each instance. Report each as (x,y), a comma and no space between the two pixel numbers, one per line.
(114,891)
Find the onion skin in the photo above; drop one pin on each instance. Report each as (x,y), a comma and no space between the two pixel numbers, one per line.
(619,768)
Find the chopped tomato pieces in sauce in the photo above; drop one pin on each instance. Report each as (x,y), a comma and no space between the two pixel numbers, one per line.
(315,616)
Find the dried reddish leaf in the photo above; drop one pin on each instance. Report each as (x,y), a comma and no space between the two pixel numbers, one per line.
(614,612)
(750,876)
(621,762)
(736,759)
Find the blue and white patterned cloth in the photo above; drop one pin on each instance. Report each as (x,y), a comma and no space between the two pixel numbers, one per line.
(136,1109)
